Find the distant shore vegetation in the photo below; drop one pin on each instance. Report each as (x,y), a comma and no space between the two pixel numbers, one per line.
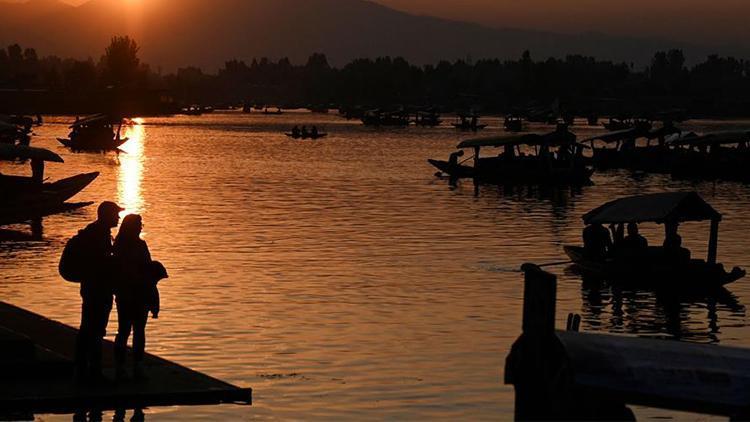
(119,81)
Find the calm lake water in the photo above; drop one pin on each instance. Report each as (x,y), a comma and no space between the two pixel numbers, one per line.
(340,279)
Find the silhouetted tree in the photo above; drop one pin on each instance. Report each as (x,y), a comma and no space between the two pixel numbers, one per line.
(120,64)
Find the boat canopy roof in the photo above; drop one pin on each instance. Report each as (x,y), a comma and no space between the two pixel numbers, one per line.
(656,207)
(96,118)
(615,136)
(22,152)
(555,138)
(725,137)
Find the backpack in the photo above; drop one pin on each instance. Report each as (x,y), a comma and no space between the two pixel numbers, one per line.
(72,261)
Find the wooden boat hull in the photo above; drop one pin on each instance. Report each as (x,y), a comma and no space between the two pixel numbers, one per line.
(519,174)
(691,275)
(652,159)
(29,203)
(111,145)
(461,126)
(318,136)
(455,171)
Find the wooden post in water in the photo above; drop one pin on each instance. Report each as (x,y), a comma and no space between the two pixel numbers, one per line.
(713,241)
(537,363)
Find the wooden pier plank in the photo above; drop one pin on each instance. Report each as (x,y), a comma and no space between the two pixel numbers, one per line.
(53,390)
(686,376)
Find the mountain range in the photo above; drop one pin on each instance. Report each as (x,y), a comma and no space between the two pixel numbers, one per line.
(206,33)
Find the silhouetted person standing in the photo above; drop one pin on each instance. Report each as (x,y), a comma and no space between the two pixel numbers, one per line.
(135,292)
(96,290)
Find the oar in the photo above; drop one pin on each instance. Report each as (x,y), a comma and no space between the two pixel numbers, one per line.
(463,161)
(551,264)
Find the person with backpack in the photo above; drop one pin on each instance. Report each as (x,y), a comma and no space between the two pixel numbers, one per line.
(87,259)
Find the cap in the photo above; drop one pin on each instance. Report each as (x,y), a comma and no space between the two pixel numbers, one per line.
(107,208)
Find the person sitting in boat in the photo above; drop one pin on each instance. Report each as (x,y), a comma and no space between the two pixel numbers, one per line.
(304,133)
(633,246)
(314,131)
(295,131)
(596,241)
(453,159)
(673,250)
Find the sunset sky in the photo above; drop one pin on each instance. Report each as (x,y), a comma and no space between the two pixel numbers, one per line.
(696,21)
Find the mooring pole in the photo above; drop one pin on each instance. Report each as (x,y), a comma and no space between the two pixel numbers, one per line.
(537,360)
(713,241)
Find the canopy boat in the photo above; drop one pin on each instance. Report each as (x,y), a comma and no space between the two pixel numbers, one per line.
(95,133)
(615,124)
(719,155)
(656,267)
(627,154)
(427,118)
(513,123)
(26,198)
(469,121)
(306,136)
(379,117)
(526,159)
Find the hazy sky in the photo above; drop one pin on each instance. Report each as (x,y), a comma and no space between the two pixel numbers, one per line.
(697,21)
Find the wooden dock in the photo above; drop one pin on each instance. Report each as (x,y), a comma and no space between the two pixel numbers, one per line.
(36,363)
(567,375)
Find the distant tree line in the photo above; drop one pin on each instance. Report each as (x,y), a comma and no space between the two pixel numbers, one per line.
(716,86)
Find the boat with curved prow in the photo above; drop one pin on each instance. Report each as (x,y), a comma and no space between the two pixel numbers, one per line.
(527,159)
(95,133)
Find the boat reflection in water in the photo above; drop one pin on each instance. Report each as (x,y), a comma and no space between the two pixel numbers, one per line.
(130,175)
(612,308)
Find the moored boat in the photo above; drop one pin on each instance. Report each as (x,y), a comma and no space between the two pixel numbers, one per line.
(26,198)
(526,159)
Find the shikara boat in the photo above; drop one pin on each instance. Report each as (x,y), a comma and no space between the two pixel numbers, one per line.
(655,268)
(26,198)
(719,155)
(513,123)
(427,118)
(526,159)
(379,117)
(306,136)
(469,121)
(621,150)
(95,133)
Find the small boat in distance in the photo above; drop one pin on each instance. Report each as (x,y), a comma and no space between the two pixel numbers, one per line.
(307,136)
(468,121)
(95,133)
(267,110)
(429,117)
(377,117)
(667,268)
(513,123)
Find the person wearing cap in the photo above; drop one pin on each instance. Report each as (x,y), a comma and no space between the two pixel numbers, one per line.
(96,291)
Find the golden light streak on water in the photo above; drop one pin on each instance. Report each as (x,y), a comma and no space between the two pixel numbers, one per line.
(129,195)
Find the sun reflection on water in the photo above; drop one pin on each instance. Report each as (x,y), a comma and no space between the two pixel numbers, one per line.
(129,194)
